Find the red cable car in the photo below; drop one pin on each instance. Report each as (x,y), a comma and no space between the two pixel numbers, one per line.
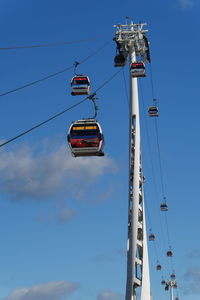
(85,138)
(138,69)
(80,85)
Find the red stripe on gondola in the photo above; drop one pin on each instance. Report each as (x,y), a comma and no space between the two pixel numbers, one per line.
(80,78)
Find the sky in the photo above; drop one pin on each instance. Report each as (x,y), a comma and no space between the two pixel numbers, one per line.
(63,220)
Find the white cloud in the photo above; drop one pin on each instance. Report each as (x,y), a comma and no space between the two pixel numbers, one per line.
(50,291)
(109,295)
(186,4)
(63,215)
(192,277)
(25,173)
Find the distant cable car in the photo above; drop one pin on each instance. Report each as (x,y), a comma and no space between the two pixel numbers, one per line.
(80,85)
(177,298)
(173,276)
(163,282)
(153,111)
(85,138)
(120,60)
(158,267)
(138,69)
(152,237)
(163,207)
(169,253)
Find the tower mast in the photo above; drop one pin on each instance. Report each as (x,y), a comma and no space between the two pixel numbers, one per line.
(132,42)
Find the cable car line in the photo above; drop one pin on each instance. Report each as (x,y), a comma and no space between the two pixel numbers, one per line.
(50,44)
(151,235)
(151,78)
(42,123)
(95,52)
(169,252)
(54,74)
(164,243)
(36,81)
(160,165)
(162,181)
(151,163)
(60,113)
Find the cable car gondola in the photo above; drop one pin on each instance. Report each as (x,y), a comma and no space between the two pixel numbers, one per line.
(80,85)
(85,138)
(151,237)
(169,253)
(167,287)
(120,60)
(173,276)
(138,69)
(158,267)
(163,207)
(153,111)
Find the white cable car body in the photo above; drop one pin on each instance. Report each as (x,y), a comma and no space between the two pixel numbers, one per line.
(80,85)
(85,138)
(137,69)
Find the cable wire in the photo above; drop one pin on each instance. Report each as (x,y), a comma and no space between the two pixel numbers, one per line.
(36,81)
(54,74)
(161,174)
(60,113)
(154,179)
(49,45)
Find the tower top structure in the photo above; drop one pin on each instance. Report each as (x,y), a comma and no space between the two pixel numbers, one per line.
(132,36)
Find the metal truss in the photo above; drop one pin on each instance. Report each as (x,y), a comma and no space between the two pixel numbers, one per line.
(132,41)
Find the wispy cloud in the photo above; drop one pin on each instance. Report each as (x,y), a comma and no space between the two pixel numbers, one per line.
(109,257)
(192,277)
(186,4)
(29,174)
(50,291)
(63,215)
(195,254)
(109,295)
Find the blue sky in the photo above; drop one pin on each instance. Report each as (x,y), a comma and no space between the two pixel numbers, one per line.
(64,220)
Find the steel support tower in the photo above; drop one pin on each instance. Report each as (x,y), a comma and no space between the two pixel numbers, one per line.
(133,44)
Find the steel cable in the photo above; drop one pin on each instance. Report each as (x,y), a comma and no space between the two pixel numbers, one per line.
(49,45)
(54,74)
(60,113)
